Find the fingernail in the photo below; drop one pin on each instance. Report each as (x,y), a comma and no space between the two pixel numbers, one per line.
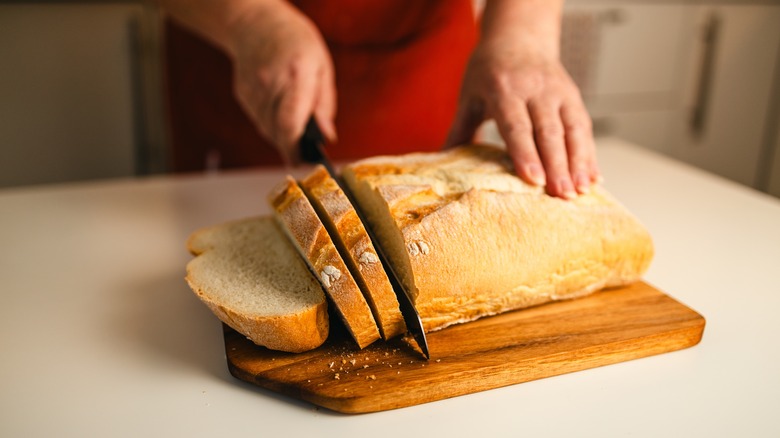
(582,182)
(535,173)
(566,189)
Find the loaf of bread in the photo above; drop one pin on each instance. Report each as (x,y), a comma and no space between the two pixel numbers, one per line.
(467,236)
(470,239)
(248,274)
(305,229)
(347,231)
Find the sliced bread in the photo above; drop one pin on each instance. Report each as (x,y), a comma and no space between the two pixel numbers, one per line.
(347,231)
(470,239)
(306,231)
(249,275)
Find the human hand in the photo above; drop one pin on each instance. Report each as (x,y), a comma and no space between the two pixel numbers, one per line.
(539,113)
(283,74)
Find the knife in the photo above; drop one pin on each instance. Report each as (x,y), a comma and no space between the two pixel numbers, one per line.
(312,151)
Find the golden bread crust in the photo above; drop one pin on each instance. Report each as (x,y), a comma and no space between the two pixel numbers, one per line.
(305,229)
(478,241)
(360,255)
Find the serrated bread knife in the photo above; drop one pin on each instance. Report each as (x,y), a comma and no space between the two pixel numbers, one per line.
(312,151)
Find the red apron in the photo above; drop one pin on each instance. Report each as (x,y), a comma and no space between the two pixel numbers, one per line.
(398,66)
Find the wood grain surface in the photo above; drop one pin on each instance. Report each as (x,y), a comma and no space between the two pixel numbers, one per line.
(604,328)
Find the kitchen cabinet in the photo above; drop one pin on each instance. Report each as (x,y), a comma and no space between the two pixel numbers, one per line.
(79,91)
(693,80)
(629,76)
(732,91)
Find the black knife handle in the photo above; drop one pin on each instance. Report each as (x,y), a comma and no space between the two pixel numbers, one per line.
(311,142)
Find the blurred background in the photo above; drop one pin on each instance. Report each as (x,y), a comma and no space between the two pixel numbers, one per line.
(82,90)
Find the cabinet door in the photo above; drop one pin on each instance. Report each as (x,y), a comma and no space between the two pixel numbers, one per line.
(731,90)
(639,48)
(629,59)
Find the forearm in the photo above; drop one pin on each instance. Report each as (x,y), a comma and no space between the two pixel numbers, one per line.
(533,26)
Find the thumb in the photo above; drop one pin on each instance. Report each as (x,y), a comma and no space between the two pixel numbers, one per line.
(468,118)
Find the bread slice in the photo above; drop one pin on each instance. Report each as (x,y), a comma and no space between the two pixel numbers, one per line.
(306,231)
(347,231)
(249,275)
(470,239)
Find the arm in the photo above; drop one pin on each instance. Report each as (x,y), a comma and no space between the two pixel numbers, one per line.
(515,77)
(283,71)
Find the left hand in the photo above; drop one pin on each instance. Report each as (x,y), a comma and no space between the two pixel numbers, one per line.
(539,112)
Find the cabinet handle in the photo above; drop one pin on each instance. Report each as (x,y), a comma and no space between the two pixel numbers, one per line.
(709,36)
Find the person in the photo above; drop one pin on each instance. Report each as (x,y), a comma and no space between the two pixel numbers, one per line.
(405,75)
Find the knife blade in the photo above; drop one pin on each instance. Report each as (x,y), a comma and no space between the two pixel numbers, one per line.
(312,151)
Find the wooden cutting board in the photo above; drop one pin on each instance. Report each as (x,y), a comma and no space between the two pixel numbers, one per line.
(604,328)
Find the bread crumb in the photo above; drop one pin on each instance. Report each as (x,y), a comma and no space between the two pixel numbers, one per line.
(365,366)
(343,361)
(438,360)
(336,376)
(330,365)
(353,361)
(371,377)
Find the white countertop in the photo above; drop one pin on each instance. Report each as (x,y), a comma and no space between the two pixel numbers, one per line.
(100,336)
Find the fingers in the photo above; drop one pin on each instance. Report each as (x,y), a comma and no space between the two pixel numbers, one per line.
(515,126)
(281,103)
(284,75)
(468,118)
(292,107)
(550,144)
(580,146)
(549,135)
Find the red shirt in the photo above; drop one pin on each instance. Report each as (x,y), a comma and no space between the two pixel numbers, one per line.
(398,66)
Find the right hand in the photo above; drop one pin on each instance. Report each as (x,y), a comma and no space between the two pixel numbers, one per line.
(283,74)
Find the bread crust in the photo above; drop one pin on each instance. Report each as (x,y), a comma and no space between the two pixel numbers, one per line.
(478,241)
(343,223)
(301,330)
(304,228)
